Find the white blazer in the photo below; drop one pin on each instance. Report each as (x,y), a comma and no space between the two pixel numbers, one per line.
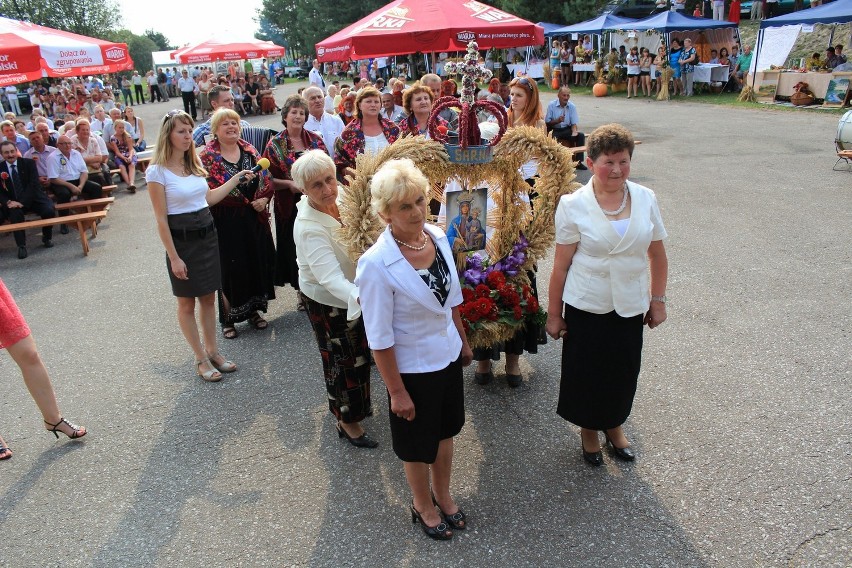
(326,273)
(400,310)
(608,272)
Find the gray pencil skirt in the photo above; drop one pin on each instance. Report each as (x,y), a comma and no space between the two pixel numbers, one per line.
(197,244)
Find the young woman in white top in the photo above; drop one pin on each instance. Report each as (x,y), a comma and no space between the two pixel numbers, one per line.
(607,234)
(178,188)
(633,72)
(137,129)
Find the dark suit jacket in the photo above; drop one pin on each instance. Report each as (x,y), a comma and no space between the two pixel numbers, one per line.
(28,172)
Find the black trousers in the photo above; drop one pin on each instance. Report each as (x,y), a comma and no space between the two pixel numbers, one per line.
(91,190)
(140,94)
(41,206)
(189,103)
(578,139)
(155,92)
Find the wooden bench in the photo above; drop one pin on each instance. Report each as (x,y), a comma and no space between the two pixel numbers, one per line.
(89,205)
(108,189)
(82,221)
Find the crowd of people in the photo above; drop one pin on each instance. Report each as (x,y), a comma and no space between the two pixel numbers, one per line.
(398,307)
(214,195)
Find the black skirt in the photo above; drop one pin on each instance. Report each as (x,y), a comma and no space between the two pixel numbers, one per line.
(197,245)
(286,268)
(247,255)
(601,356)
(438,399)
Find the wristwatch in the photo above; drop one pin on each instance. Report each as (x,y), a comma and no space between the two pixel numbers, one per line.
(661,299)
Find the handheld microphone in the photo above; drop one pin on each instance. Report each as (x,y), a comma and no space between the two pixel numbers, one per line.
(262,164)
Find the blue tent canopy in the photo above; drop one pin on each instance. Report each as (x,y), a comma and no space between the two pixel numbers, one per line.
(594,26)
(667,22)
(549,28)
(835,13)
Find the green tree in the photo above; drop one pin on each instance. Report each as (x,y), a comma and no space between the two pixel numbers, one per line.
(305,22)
(93,18)
(581,10)
(162,41)
(140,48)
(534,10)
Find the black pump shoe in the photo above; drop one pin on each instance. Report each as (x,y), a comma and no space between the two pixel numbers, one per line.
(362,441)
(438,532)
(624,454)
(592,458)
(483,378)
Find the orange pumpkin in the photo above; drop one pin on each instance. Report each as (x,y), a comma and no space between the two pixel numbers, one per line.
(599,90)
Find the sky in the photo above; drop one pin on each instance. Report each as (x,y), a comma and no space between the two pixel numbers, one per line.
(191,22)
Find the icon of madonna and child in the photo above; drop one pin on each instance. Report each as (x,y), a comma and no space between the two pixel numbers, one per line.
(466,230)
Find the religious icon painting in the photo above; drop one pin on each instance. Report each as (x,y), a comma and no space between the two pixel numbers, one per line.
(464,217)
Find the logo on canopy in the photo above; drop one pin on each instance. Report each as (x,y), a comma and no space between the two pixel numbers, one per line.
(465,36)
(115,54)
(392,19)
(489,13)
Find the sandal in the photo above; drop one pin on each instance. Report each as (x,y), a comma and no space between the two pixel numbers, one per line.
(76,431)
(457,521)
(438,532)
(5,453)
(229,332)
(258,322)
(225,366)
(211,376)
(131,188)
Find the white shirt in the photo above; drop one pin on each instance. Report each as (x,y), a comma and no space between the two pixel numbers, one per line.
(329,127)
(315,78)
(608,271)
(95,147)
(326,273)
(329,103)
(68,169)
(400,310)
(375,144)
(184,194)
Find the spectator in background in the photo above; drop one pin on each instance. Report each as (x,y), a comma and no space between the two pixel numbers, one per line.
(718,9)
(329,98)
(163,84)
(367,132)
(99,120)
(136,128)
(389,110)
(328,126)
(563,121)
(347,114)
(154,90)
(7,127)
(137,88)
(12,97)
(315,76)
(757,10)
(69,176)
(188,88)
(734,11)
(743,64)
(219,96)
(40,153)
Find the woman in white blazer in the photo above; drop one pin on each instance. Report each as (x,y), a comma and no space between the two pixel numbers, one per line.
(607,233)
(326,276)
(410,293)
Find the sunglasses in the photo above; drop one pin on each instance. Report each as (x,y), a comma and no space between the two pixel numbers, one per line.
(172,113)
(523,81)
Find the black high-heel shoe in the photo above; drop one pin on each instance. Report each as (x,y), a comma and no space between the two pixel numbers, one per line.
(76,431)
(362,441)
(438,532)
(592,458)
(624,454)
(458,520)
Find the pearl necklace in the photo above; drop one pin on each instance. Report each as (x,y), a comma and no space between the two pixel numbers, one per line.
(421,247)
(617,211)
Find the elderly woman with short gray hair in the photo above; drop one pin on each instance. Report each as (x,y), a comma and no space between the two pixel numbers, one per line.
(410,293)
(330,297)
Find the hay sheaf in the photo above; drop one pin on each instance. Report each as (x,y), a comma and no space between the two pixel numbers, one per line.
(361,226)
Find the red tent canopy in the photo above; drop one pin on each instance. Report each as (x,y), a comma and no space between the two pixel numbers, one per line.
(217,50)
(410,26)
(29,52)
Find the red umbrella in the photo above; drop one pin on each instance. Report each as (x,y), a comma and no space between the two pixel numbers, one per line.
(217,50)
(409,26)
(29,52)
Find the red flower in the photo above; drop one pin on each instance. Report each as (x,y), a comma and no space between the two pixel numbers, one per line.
(517,312)
(467,294)
(495,279)
(4,175)
(532,305)
(483,291)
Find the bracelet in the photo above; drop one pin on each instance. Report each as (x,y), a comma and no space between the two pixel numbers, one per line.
(661,299)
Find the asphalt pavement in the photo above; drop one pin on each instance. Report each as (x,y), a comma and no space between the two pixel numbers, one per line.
(740,423)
